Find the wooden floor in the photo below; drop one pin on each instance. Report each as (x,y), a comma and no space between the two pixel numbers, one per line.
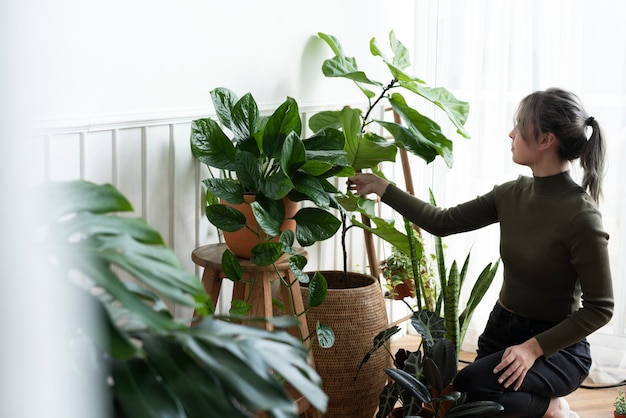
(587,403)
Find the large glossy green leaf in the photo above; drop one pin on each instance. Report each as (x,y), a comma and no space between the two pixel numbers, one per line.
(456,110)
(223,101)
(318,288)
(271,220)
(292,154)
(194,386)
(78,196)
(140,392)
(386,230)
(276,186)
(88,224)
(152,265)
(226,189)
(315,224)
(426,131)
(244,118)
(429,325)
(312,188)
(283,122)
(379,341)
(261,391)
(249,171)
(98,270)
(266,253)
(409,383)
(225,217)
(210,145)
(231,266)
(296,265)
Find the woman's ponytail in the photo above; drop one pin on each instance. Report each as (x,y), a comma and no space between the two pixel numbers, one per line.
(592,159)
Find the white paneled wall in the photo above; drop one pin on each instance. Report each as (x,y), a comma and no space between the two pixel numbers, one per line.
(150,162)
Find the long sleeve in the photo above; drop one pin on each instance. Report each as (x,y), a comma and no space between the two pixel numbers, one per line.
(468,216)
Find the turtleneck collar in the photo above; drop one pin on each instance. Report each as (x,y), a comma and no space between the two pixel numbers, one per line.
(552,185)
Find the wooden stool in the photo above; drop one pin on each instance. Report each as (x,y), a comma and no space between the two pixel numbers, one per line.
(256,284)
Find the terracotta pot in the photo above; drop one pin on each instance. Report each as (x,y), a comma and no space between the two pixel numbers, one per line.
(403,290)
(241,242)
(356,313)
(618,415)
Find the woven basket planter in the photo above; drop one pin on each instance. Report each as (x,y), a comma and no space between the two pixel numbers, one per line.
(356,313)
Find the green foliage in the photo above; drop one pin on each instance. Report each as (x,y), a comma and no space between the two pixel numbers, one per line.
(266,156)
(417,133)
(620,403)
(421,377)
(154,365)
(247,153)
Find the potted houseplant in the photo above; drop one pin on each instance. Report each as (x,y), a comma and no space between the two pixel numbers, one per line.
(413,132)
(620,405)
(365,149)
(421,379)
(259,166)
(263,164)
(152,364)
(398,275)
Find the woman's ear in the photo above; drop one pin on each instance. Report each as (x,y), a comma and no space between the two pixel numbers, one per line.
(548,140)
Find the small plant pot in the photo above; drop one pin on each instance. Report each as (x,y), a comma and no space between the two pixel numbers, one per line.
(618,415)
(241,242)
(403,290)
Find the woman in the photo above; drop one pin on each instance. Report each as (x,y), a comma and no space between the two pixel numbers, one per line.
(533,350)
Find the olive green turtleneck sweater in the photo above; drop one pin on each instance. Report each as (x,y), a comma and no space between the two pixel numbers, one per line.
(553,247)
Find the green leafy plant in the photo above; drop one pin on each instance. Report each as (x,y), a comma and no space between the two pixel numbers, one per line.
(620,403)
(411,132)
(421,378)
(153,364)
(265,156)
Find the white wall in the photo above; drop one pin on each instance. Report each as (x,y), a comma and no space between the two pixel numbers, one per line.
(112,83)
(119,58)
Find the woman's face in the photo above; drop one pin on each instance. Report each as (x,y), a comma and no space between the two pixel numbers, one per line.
(523,151)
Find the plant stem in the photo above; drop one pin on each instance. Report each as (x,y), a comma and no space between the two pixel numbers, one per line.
(391,85)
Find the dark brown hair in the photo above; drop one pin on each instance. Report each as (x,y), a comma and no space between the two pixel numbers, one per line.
(562,113)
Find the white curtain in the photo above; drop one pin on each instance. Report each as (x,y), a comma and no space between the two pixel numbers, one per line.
(492,53)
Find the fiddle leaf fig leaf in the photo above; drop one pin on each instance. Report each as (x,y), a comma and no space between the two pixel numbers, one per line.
(225,217)
(456,110)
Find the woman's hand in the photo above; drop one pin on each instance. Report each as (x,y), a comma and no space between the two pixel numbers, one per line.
(364,184)
(516,361)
